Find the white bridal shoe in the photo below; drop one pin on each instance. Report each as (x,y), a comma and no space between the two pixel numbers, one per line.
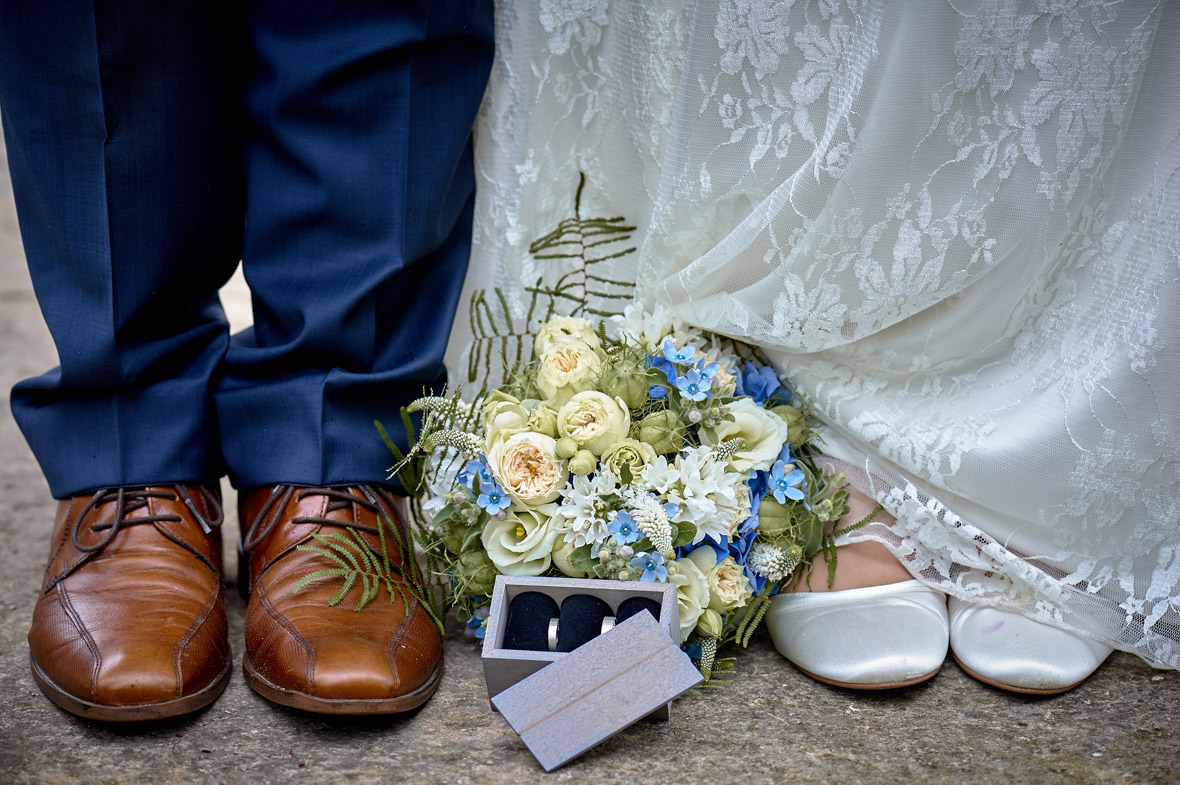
(871,638)
(1017,654)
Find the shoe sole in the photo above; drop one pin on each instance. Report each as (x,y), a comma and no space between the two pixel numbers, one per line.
(1012,687)
(136,713)
(348,706)
(859,686)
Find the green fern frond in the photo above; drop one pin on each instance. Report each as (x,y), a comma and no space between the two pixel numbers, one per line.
(326,572)
(358,561)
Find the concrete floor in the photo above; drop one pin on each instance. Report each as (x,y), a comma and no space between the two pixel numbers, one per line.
(773,725)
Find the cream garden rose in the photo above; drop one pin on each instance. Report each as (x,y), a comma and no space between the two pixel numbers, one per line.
(564,328)
(764,432)
(728,587)
(565,368)
(526,464)
(594,420)
(521,543)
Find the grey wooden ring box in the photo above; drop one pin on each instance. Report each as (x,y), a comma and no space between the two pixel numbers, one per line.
(636,669)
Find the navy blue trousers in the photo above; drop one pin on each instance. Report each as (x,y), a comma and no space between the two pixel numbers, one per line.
(153,145)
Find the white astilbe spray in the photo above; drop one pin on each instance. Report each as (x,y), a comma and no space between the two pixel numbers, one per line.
(770,562)
(651,519)
(467,443)
(452,408)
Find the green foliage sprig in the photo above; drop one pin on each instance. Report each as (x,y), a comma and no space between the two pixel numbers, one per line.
(355,559)
(580,249)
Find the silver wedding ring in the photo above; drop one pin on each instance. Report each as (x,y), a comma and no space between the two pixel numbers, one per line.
(608,623)
(553,624)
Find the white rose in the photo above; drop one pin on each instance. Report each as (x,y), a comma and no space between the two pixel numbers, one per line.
(564,328)
(594,420)
(542,419)
(566,368)
(692,594)
(522,542)
(503,416)
(563,549)
(526,464)
(764,432)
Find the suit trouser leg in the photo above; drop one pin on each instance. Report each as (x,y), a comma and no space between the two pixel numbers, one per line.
(360,189)
(127,158)
(121,124)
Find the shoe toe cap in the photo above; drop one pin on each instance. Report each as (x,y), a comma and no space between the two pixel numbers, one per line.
(135,681)
(871,641)
(353,669)
(1014,652)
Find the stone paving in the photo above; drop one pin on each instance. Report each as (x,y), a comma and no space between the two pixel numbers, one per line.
(772,725)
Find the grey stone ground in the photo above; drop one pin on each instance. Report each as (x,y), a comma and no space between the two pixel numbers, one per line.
(774,725)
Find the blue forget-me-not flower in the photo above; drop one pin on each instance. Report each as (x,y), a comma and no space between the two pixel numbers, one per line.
(652,565)
(785,480)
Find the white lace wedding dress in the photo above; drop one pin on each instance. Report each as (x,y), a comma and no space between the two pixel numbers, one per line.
(954,225)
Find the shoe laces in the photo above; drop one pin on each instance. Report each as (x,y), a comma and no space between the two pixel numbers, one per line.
(128,500)
(271,513)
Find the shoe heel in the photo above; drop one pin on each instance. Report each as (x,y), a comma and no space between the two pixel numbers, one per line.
(243,573)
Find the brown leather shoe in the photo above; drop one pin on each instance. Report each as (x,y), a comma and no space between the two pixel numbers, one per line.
(335,660)
(130,624)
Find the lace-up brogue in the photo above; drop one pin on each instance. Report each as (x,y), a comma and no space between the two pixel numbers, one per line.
(130,624)
(302,652)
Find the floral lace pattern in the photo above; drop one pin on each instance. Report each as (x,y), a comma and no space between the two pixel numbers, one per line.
(956,227)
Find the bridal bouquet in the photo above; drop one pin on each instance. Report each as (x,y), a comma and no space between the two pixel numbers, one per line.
(632,449)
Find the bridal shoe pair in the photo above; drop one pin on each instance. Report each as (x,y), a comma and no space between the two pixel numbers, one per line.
(897,634)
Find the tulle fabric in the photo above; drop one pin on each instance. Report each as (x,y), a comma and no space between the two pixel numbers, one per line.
(955,226)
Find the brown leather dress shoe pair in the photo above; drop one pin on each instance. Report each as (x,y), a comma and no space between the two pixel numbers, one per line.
(131,625)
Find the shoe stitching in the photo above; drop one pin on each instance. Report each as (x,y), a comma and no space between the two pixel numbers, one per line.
(95,654)
(61,544)
(287,625)
(190,634)
(398,636)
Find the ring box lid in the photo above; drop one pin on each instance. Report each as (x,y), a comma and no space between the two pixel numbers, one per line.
(597,690)
(505,667)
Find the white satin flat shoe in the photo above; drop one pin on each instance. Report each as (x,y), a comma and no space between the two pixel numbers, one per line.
(869,639)
(1017,654)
